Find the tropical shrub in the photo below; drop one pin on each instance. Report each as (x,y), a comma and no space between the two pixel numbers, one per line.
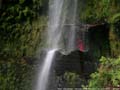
(16,75)
(19,36)
(107,75)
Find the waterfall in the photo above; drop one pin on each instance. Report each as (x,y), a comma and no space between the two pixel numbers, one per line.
(61,13)
(54,24)
(69,25)
(44,74)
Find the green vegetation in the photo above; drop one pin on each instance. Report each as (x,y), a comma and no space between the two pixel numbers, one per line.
(21,27)
(107,75)
(100,11)
(19,35)
(71,79)
(16,75)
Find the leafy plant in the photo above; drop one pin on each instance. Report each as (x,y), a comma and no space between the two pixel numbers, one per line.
(71,79)
(99,11)
(19,36)
(16,75)
(108,74)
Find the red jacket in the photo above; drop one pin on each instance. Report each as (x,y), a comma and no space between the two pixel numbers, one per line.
(81,45)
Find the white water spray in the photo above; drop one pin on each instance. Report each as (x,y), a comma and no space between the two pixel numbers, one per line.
(69,18)
(59,14)
(53,39)
(44,74)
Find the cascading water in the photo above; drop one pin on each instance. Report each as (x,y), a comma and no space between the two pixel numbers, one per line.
(53,39)
(69,17)
(62,13)
(43,77)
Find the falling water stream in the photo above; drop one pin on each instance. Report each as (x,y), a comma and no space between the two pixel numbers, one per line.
(43,78)
(61,13)
(53,39)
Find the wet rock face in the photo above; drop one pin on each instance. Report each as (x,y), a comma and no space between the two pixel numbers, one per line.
(77,62)
(69,63)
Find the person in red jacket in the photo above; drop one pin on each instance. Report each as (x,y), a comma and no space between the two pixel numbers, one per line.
(81,45)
